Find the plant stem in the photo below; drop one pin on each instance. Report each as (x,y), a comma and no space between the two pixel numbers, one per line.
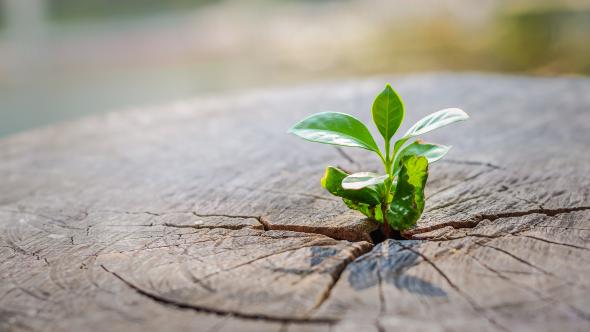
(385,203)
(386,228)
(387,148)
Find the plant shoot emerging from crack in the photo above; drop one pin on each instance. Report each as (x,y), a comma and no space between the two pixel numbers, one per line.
(394,199)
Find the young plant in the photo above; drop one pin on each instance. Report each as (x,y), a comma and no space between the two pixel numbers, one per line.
(396,198)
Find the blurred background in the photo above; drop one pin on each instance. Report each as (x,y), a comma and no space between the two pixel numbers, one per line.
(62,59)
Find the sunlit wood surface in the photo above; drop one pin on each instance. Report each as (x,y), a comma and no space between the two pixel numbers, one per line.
(205,215)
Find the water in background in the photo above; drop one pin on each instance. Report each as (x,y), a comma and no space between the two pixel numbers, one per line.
(62,59)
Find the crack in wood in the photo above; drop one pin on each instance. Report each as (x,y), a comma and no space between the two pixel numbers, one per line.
(528,289)
(555,242)
(523,261)
(467,298)
(471,163)
(293,248)
(458,201)
(341,233)
(474,221)
(349,234)
(510,280)
(357,251)
(384,251)
(379,326)
(534,267)
(230,227)
(501,235)
(180,305)
(288,193)
(563,227)
(346,156)
(194,279)
(451,186)
(266,226)
(547,212)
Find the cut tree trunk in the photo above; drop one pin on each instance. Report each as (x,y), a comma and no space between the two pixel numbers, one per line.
(204,215)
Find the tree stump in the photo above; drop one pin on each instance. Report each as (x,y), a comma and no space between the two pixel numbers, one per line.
(205,215)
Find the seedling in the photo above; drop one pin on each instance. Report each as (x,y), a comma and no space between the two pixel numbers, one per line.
(394,199)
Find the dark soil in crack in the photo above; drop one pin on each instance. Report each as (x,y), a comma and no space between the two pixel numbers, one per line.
(377,236)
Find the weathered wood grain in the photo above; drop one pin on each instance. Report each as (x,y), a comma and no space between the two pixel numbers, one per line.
(205,215)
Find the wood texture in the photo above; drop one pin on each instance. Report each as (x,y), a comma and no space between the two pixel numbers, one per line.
(204,215)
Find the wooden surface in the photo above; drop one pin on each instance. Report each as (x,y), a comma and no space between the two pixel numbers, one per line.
(204,215)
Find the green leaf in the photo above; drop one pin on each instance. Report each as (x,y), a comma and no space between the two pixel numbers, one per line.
(431,122)
(332,181)
(335,128)
(436,120)
(399,143)
(373,212)
(361,180)
(408,200)
(388,112)
(432,152)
